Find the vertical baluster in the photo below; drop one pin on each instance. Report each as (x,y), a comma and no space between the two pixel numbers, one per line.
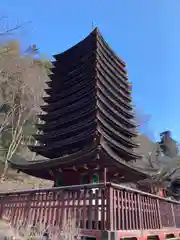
(133,210)
(146,212)
(59,206)
(137,221)
(15,211)
(115,209)
(33,210)
(143,212)
(68,206)
(40,207)
(21,207)
(84,209)
(151,213)
(140,209)
(73,211)
(50,209)
(110,223)
(46,207)
(123,209)
(36,202)
(126,210)
(173,215)
(158,213)
(62,215)
(78,213)
(155,218)
(119,210)
(96,220)
(54,208)
(11,212)
(130,210)
(102,208)
(27,208)
(91,209)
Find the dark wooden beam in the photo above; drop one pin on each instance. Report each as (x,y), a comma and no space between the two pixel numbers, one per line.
(74,168)
(85,166)
(105,176)
(97,167)
(51,173)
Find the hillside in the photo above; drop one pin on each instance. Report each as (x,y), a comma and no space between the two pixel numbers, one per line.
(21,181)
(146,145)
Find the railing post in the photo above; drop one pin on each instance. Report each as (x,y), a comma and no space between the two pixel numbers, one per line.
(27,209)
(140,211)
(1,207)
(109,206)
(173,215)
(159,213)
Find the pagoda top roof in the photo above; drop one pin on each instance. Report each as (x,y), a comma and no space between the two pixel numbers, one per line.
(97,32)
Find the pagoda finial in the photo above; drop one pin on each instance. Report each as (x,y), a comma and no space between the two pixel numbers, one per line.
(92,25)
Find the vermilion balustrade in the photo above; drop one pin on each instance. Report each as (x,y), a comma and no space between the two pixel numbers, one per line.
(93,206)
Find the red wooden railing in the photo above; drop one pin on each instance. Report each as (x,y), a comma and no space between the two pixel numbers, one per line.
(93,206)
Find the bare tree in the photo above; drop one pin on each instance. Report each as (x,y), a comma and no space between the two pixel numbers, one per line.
(7,31)
(17,137)
(22,79)
(142,119)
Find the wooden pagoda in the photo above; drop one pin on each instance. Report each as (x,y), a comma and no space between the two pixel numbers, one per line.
(88,128)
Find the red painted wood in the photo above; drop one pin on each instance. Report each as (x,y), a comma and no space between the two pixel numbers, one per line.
(95,207)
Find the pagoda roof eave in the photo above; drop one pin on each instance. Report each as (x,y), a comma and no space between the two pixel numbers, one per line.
(121,164)
(129,131)
(70,90)
(130,154)
(125,116)
(48,136)
(40,168)
(52,125)
(55,133)
(129,172)
(22,164)
(121,137)
(74,98)
(73,108)
(117,58)
(119,72)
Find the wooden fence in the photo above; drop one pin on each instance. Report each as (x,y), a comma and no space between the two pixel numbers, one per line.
(92,206)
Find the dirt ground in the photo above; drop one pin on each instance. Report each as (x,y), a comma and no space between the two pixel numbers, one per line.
(20,181)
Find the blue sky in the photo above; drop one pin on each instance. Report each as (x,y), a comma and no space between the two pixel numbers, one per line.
(145,33)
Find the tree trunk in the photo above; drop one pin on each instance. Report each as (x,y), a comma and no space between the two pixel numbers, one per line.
(5,171)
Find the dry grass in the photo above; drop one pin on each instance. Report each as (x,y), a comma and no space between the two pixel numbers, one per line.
(5,231)
(21,181)
(69,231)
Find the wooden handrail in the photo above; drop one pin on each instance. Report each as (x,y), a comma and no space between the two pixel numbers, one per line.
(98,206)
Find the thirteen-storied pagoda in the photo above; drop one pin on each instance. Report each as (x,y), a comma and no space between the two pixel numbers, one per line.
(88,131)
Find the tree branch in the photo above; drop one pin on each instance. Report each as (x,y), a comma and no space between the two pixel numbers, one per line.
(13,29)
